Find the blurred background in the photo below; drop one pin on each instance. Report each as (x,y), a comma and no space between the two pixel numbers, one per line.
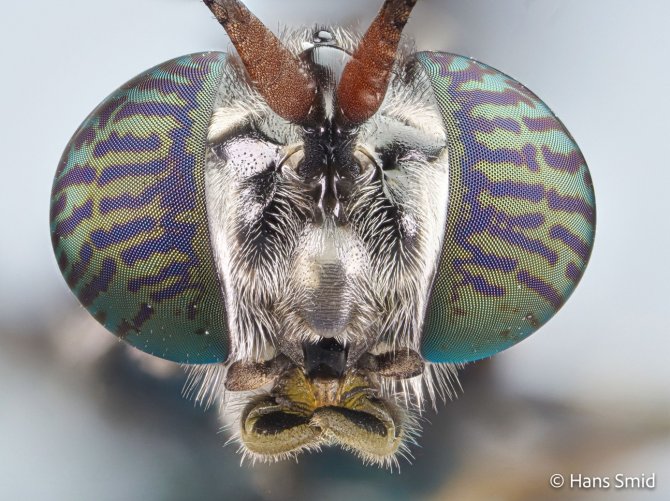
(84,417)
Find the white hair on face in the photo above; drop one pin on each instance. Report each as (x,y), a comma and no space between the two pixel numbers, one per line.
(388,277)
(235,116)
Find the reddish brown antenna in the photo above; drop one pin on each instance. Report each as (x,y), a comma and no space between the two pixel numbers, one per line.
(277,74)
(366,77)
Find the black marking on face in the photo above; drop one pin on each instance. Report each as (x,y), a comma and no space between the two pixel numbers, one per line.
(388,237)
(325,359)
(258,237)
(328,170)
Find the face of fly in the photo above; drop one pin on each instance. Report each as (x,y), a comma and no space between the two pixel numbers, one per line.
(326,198)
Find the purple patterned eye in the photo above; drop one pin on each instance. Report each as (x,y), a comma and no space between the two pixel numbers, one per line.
(324,226)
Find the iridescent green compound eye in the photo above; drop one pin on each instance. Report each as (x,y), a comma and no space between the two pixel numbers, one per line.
(128,216)
(521,214)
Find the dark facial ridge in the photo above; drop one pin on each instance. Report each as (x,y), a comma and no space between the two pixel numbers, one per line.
(329,168)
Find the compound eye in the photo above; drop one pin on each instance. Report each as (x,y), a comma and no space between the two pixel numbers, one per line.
(366,161)
(293,158)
